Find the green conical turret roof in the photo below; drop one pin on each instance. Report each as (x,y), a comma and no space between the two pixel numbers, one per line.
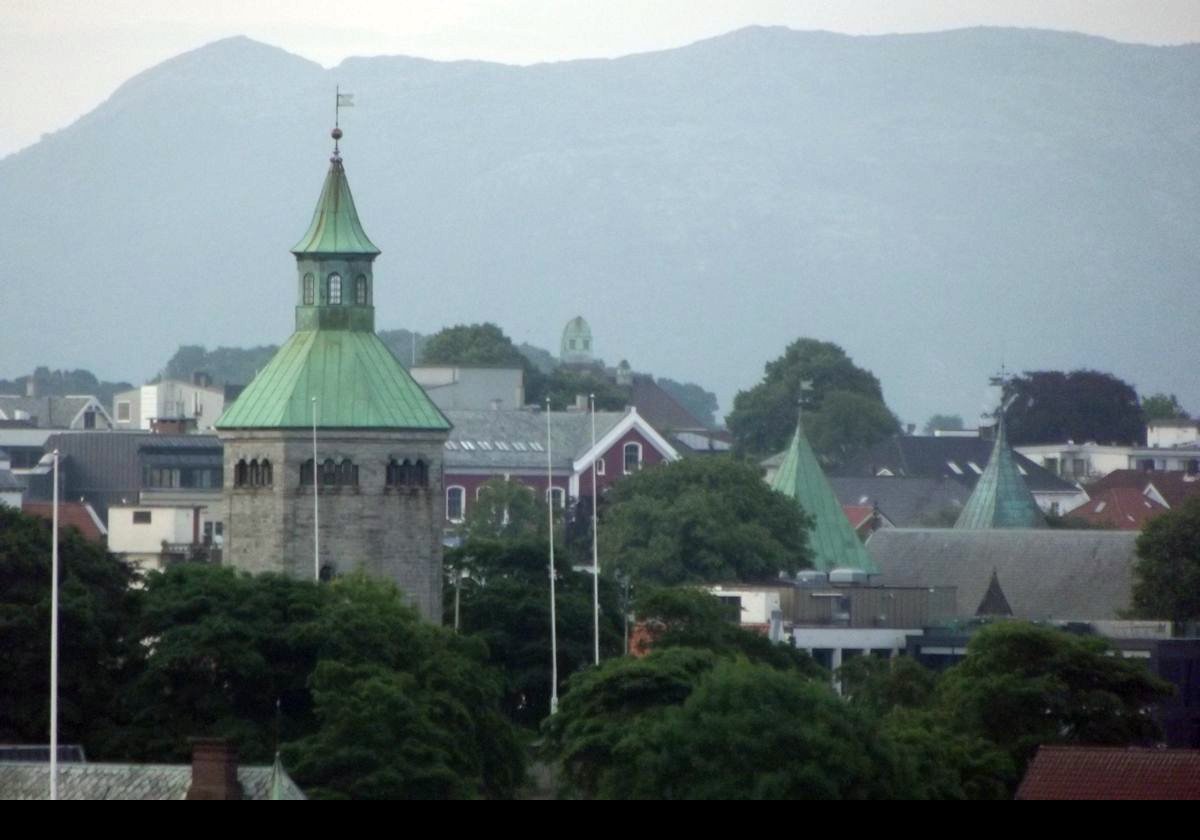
(832,540)
(334,356)
(335,227)
(1001,498)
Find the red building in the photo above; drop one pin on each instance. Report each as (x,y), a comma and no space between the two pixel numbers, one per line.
(512,444)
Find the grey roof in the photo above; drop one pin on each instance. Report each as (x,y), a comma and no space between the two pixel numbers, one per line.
(29,780)
(1044,574)
(496,439)
(50,412)
(906,502)
(925,456)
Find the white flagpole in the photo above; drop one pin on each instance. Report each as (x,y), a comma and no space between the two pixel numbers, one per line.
(553,624)
(595,546)
(54,638)
(316,500)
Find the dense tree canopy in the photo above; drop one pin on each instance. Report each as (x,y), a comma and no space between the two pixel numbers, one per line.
(943,423)
(701,520)
(1082,405)
(97,609)
(1167,573)
(483,345)
(505,602)
(764,416)
(1022,685)
(1163,407)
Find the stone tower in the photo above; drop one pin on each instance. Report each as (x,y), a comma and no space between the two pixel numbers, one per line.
(377,470)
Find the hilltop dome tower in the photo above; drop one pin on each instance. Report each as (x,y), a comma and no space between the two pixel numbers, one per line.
(576,347)
(336,415)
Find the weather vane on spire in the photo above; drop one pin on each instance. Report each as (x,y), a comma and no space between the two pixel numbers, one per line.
(341,100)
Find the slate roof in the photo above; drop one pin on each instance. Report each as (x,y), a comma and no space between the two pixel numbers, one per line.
(926,456)
(1126,508)
(831,539)
(906,502)
(1000,498)
(516,439)
(1175,486)
(9,482)
(357,381)
(25,780)
(1045,574)
(49,412)
(661,410)
(335,228)
(1069,772)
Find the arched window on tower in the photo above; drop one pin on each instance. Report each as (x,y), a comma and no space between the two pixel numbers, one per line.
(310,289)
(421,474)
(329,473)
(241,473)
(255,474)
(306,473)
(347,474)
(334,295)
(360,290)
(267,477)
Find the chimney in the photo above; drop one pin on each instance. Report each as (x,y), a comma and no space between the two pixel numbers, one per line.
(214,770)
(201,379)
(31,388)
(581,402)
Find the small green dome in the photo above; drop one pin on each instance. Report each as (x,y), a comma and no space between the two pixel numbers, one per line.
(576,342)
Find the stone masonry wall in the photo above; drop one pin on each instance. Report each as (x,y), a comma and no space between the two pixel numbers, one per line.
(389,533)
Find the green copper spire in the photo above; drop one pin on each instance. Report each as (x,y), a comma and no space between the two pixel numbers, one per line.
(335,228)
(832,540)
(1000,498)
(334,360)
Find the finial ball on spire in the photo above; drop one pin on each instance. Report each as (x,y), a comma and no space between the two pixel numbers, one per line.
(336,134)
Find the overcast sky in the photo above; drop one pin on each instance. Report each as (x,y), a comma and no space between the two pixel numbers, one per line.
(61,58)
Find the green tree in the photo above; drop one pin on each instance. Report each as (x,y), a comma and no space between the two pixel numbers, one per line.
(1052,406)
(226,647)
(846,424)
(226,365)
(943,423)
(483,345)
(565,384)
(764,417)
(701,520)
(682,617)
(1022,685)
(751,732)
(1167,573)
(404,709)
(97,608)
(1163,407)
(505,602)
(505,509)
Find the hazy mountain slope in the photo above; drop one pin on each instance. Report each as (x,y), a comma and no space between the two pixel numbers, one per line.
(935,203)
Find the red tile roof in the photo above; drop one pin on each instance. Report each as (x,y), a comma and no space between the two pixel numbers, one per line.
(1111,773)
(1175,486)
(859,515)
(77,515)
(1125,508)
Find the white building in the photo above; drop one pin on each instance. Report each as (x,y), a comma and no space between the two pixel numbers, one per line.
(1089,461)
(168,400)
(1165,433)
(146,534)
(12,491)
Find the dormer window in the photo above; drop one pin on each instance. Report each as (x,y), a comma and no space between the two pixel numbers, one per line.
(360,290)
(334,295)
(310,289)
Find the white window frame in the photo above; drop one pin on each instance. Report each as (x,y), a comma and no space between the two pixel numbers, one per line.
(462,513)
(559,495)
(599,466)
(625,457)
(128,412)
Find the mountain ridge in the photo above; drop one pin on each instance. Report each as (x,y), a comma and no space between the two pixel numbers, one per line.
(702,206)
